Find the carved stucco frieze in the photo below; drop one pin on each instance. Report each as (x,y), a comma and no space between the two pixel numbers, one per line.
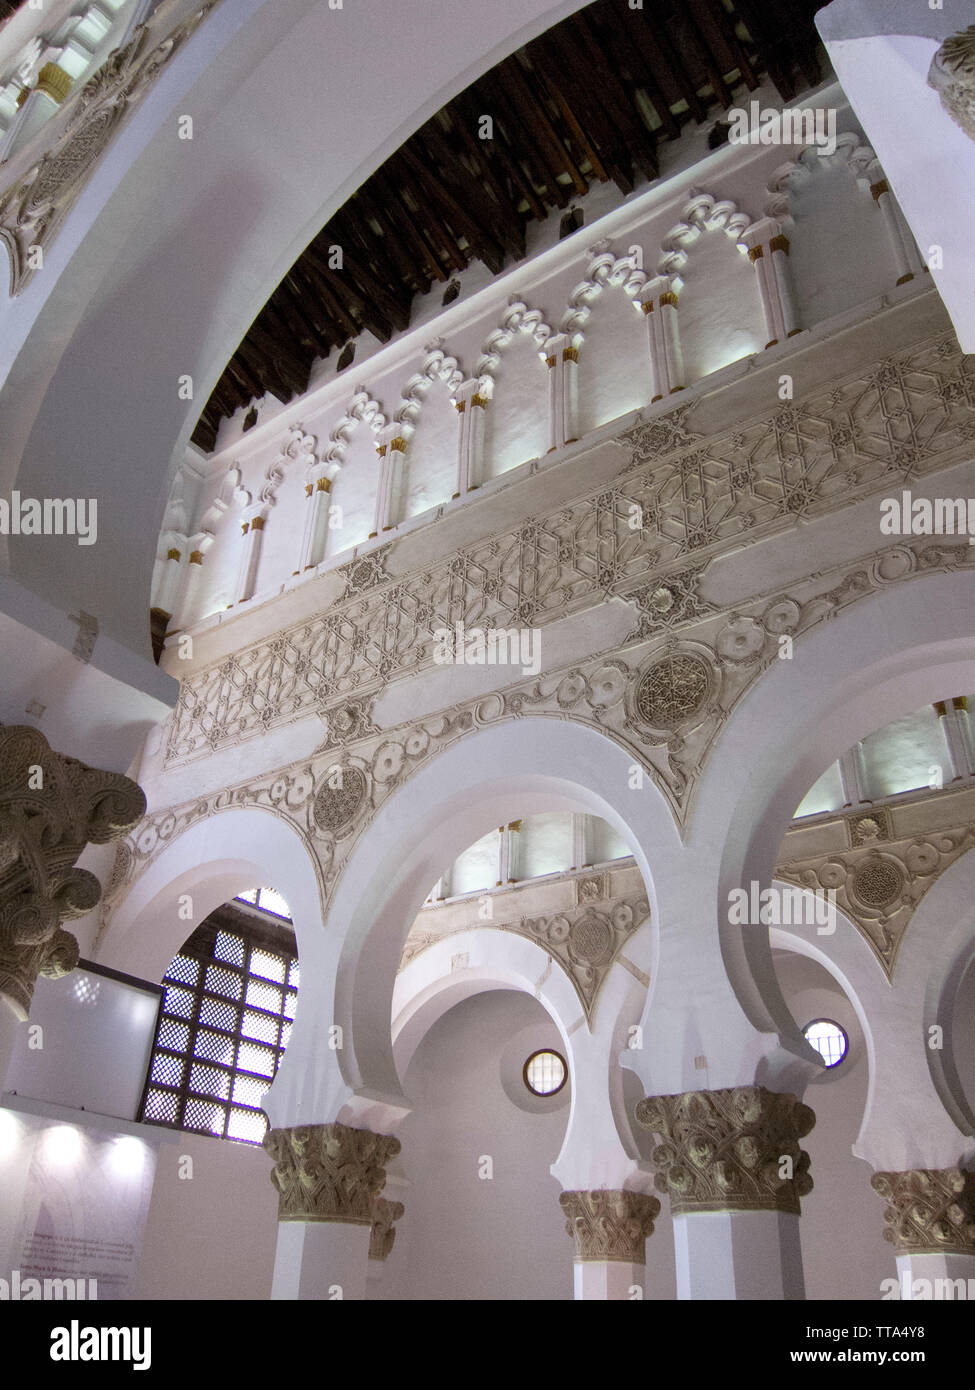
(880,882)
(329,1172)
(608,1225)
(729,1150)
(350,777)
(51,807)
(584,940)
(952,75)
(680,499)
(929,1210)
(385,1214)
(33,208)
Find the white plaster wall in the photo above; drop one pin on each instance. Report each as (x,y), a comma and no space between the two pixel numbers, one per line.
(353,496)
(463,1237)
(429,473)
(614,361)
(516,421)
(720,312)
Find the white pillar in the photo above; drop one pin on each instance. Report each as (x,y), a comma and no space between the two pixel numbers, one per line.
(928,1277)
(580,840)
(738,1255)
(471,404)
(768,251)
(853,777)
(884,199)
(252,530)
(392,454)
(185,614)
(953,718)
(321,1260)
(40,104)
(562,360)
(170,581)
(316,522)
(658,299)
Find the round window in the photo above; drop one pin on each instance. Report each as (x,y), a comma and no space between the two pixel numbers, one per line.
(828,1039)
(545,1073)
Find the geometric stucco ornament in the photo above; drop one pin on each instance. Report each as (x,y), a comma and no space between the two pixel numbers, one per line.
(610,1225)
(35,205)
(336,807)
(952,75)
(51,807)
(672,690)
(929,1210)
(730,1150)
(329,1172)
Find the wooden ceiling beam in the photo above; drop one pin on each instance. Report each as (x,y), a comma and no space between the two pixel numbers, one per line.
(481,242)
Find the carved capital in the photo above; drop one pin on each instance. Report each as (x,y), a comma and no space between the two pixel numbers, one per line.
(929,1210)
(731,1150)
(51,806)
(952,75)
(610,1225)
(384,1216)
(329,1172)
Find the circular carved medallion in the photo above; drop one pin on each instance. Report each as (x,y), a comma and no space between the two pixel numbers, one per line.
(336,807)
(878,883)
(591,940)
(673,690)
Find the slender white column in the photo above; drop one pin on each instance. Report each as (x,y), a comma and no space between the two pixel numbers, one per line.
(562,360)
(252,530)
(658,299)
(392,454)
(471,404)
(608,1280)
(185,613)
(953,717)
(316,522)
(853,777)
(40,104)
(768,251)
(171,581)
(885,202)
(738,1255)
(580,840)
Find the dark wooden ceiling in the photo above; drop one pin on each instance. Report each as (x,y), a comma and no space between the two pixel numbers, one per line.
(587,101)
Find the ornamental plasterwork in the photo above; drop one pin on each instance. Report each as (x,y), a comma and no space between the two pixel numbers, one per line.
(952,75)
(680,498)
(880,882)
(34,207)
(385,1214)
(620,693)
(930,1211)
(607,1225)
(51,807)
(729,1150)
(584,940)
(329,1172)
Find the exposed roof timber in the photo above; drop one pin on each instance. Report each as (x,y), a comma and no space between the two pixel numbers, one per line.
(587,101)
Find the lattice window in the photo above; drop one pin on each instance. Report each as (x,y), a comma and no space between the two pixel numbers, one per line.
(229,997)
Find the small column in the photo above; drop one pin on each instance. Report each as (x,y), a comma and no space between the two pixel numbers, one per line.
(734,1170)
(930,1221)
(580,840)
(170,581)
(884,199)
(392,453)
(610,1230)
(658,299)
(853,777)
(252,530)
(562,360)
(953,715)
(316,520)
(327,1178)
(39,105)
(768,251)
(185,614)
(471,404)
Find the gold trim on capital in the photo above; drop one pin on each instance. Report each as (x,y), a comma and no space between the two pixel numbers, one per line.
(878,190)
(550,361)
(381,450)
(668,298)
(245,527)
(460,406)
(172,554)
(257,524)
(398,445)
(323,485)
(647,306)
(779,243)
(480,401)
(196,557)
(309,489)
(54,82)
(755,253)
(570,354)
